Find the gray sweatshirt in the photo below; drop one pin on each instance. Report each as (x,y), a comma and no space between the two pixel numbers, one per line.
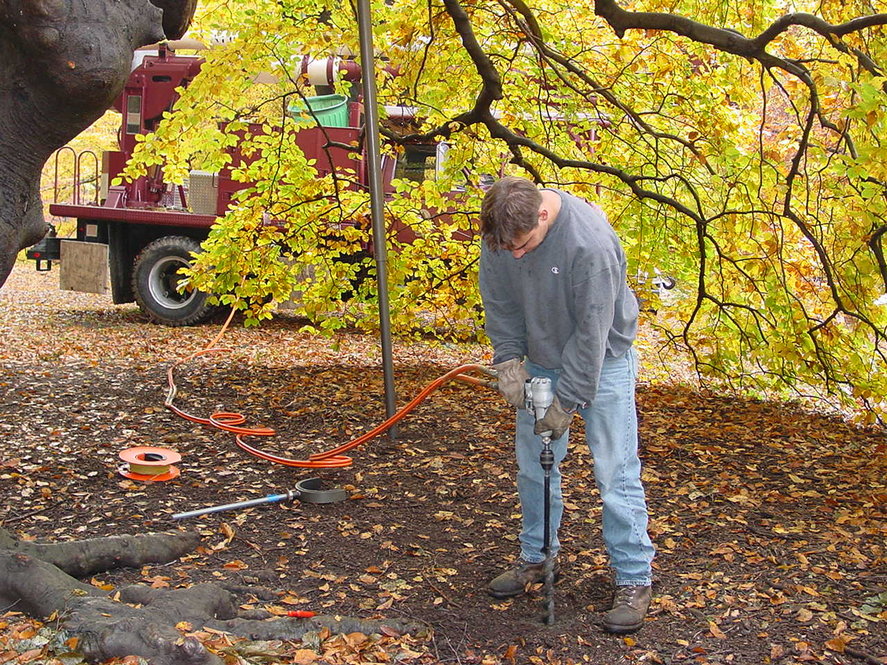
(565,304)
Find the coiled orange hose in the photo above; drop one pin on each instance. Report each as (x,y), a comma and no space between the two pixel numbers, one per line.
(334,458)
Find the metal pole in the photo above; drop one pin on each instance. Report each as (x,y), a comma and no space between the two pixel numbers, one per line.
(271,498)
(373,155)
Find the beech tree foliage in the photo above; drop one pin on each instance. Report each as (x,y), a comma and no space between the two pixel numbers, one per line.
(736,146)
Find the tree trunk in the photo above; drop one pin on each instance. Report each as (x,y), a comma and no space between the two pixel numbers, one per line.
(61,66)
(139,620)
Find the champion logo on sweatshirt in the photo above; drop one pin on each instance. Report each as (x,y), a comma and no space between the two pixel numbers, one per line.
(555,270)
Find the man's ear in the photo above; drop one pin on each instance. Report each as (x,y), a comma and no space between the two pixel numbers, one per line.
(545,215)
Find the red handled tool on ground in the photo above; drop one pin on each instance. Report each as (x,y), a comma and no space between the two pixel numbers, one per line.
(539,396)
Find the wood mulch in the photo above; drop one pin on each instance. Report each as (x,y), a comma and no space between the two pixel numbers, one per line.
(769,520)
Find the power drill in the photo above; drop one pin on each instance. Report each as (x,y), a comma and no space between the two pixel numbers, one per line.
(539,396)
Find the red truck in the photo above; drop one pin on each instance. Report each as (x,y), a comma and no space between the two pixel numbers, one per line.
(141,233)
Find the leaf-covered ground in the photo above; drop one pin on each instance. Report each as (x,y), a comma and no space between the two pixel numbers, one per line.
(769,520)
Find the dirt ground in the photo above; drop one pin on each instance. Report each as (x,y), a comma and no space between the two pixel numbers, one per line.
(769,520)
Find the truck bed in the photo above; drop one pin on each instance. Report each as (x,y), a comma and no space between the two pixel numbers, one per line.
(158,216)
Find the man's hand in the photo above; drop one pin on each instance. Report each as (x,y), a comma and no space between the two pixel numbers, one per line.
(511,377)
(556,420)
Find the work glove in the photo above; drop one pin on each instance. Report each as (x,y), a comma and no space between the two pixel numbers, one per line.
(510,378)
(556,420)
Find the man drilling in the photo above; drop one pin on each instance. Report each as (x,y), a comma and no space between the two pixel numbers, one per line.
(557,305)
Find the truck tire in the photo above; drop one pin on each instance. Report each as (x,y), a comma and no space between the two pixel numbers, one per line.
(155,278)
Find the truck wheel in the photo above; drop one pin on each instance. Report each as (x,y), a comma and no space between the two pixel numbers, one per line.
(155,280)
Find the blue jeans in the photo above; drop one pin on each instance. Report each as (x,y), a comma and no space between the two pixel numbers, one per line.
(611,434)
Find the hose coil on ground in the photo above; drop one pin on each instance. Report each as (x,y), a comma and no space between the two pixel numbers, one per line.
(333,458)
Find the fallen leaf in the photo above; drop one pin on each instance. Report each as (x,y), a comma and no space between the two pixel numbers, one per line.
(305,657)
(716,631)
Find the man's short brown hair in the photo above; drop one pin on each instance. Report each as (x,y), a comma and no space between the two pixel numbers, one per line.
(510,209)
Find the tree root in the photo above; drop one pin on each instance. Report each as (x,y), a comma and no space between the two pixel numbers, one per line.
(87,557)
(137,619)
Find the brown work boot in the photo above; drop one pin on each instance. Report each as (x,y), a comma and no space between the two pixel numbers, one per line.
(629,609)
(515,581)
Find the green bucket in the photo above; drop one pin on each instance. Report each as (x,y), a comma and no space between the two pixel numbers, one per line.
(328,110)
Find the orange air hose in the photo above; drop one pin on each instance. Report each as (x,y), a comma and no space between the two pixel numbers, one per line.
(333,458)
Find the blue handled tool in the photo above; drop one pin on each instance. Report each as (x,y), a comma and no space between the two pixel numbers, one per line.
(308,490)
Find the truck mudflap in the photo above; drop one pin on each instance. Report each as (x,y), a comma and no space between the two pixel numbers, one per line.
(84,267)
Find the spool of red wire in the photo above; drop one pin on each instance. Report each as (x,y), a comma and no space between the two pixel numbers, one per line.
(149,464)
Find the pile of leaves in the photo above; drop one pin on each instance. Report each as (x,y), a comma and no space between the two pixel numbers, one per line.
(769,520)
(25,640)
